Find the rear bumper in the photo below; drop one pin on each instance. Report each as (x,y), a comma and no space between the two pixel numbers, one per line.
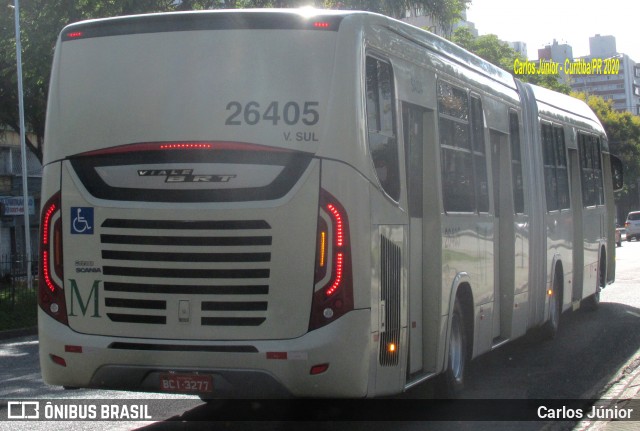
(260,369)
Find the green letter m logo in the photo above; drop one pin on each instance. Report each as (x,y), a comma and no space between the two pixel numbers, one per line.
(75,293)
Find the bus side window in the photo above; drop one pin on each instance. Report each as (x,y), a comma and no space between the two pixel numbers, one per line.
(549,161)
(479,158)
(555,168)
(562,172)
(591,170)
(458,182)
(516,163)
(383,142)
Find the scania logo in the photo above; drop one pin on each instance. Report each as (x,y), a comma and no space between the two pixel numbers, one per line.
(184,176)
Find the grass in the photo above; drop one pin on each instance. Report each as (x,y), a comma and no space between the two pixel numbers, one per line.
(18,307)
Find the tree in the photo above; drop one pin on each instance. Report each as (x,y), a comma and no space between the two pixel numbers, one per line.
(499,53)
(42,20)
(444,12)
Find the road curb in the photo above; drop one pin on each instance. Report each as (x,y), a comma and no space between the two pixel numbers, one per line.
(622,392)
(15,333)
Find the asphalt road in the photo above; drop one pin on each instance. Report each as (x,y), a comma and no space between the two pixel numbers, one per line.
(581,362)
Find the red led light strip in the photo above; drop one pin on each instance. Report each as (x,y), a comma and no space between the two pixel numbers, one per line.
(45,270)
(187,146)
(47,223)
(321,24)
(45,242)
(336,282)
(339,227)
(168,146)
(339,260)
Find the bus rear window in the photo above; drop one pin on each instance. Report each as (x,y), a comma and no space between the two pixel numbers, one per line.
(383,142)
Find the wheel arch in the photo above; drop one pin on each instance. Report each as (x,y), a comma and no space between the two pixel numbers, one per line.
(461,291)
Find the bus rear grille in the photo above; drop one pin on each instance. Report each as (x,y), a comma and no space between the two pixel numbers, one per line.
(390,272)
(221,268)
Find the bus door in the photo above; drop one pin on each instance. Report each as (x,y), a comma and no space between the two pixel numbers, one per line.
(413,126)
(504,238)
(593,213)
(424,240)
(520,231)
(576,204)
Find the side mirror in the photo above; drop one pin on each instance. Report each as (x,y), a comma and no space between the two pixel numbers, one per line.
(616,173)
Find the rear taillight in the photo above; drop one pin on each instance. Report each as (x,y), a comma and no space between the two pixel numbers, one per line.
(50,292)
(333,292)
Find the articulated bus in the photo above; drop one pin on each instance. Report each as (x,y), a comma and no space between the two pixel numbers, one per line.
(294,203)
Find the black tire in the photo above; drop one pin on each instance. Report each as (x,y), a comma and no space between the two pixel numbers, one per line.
(452,381)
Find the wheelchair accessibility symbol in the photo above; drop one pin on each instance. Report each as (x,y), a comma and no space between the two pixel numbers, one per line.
(82,220)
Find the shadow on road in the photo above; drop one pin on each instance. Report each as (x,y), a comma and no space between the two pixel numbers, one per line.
(586,354)
(588,351)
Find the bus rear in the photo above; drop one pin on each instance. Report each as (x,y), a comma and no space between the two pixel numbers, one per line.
(193,236)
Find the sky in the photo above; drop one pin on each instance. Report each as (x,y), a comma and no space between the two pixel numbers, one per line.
(539,22)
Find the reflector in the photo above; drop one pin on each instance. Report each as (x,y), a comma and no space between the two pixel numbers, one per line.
(319,369)
(58,360)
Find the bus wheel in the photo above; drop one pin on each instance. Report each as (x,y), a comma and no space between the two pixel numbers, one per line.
(452,381)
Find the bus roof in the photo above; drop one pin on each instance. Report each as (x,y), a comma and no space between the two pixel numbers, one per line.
(569,105)
(259,19)
(450,50)
(301,19)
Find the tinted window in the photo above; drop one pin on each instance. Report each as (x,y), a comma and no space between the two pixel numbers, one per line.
(479,159)
(556,178)
(591,170)
(465,187)
(458,186)
(383,143)
(516,163)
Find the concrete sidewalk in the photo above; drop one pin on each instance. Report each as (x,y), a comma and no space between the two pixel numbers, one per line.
(622,393)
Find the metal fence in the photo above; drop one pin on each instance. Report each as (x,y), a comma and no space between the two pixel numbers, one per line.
(14,288)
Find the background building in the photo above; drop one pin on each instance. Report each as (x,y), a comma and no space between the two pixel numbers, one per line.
(602,46)
(556,52)
(12,206)
(622,88)
(519,47)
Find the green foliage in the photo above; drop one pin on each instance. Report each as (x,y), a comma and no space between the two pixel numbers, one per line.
(497,52)
(18,307)
(622,128)
(444,12)
(42,20)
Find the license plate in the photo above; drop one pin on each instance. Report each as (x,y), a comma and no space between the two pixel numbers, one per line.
(186,383)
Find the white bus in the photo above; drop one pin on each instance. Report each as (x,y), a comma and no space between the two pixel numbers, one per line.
(293,203)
